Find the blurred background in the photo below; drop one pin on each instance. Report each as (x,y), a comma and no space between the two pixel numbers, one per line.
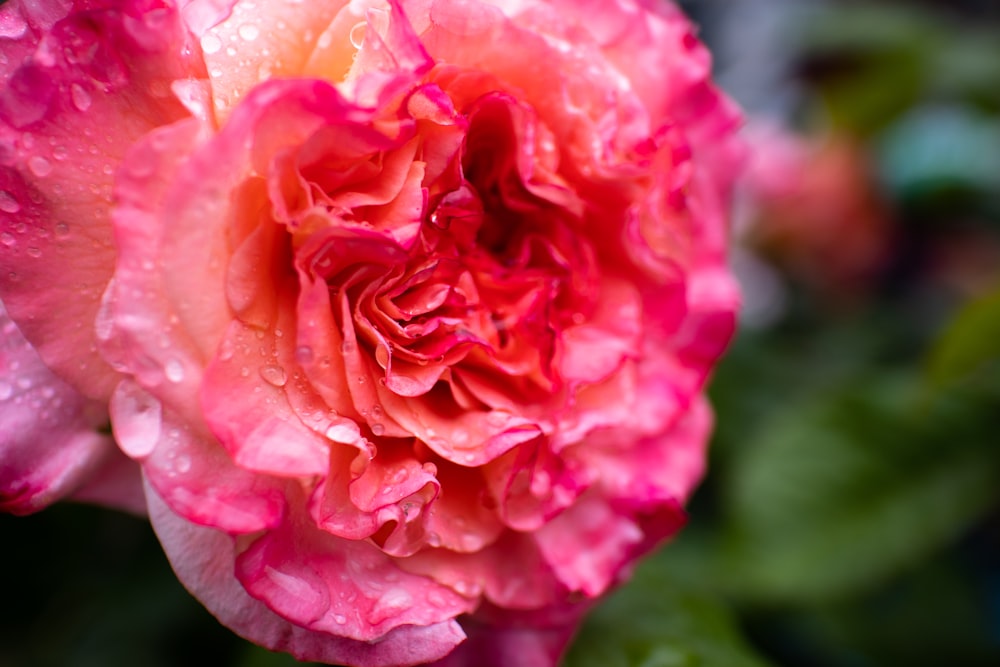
(851,516)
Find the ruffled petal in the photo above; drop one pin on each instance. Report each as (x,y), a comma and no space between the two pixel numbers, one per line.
(104,68)
(205,561)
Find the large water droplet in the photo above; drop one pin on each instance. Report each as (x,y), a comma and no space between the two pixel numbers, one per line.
(274,375)
(137,419)
(304,354)
(81,98)
(174,370)
(39,166)
(7,202)
(248,32)
(210,44)
(344,431)
(357,36)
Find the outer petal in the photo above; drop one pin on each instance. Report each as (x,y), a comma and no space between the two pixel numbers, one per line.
(204,560)
(499,638)
(50,444)
(95,82)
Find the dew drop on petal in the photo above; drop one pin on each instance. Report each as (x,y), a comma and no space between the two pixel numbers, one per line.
(378,429)
(137,420)
(39,166)
(357,36)
(174,370)
(248,32)
(34,252)
(81,98)
(7,202)
(6,390)
(304,354)
(274,375)
(343,432)
(211,44)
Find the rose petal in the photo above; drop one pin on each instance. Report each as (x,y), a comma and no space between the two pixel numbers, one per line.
(49,440)
(204,559)
(56,169)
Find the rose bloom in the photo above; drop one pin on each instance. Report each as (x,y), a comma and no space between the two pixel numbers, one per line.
(403,309)
(816,210)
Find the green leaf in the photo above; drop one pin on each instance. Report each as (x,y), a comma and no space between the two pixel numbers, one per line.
(659,621)
(970,343)
(839,492)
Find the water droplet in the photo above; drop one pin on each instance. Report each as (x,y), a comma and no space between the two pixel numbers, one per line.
(344,431)
(249,32)
(7,239)
(378,429)
(81,98)
(7,202)
(6,390)
(347,347)
(137,419)
(174,370)
(340,618)
(39,166)
(34,252)
(361,379)
(304,354)
(377,411)
(274,375)
(358,34)
(211,44)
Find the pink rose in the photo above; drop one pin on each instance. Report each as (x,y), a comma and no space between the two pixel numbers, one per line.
(404,308)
